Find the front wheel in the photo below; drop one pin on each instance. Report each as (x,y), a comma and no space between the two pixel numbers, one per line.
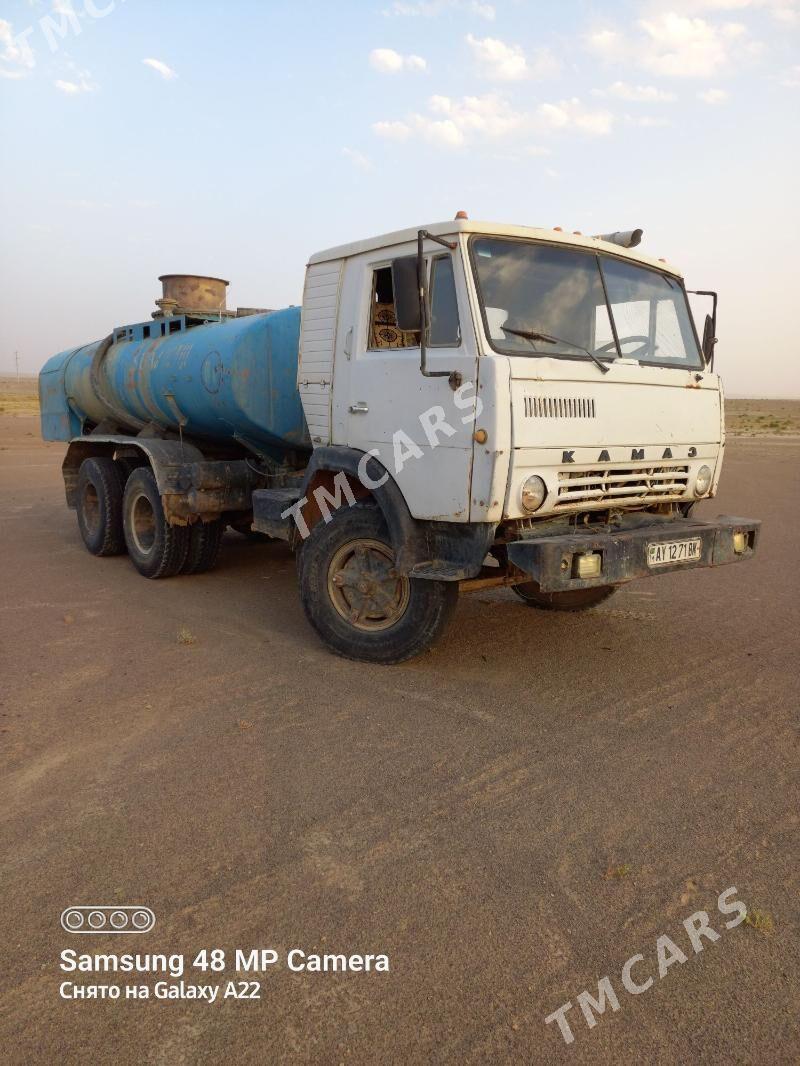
(358,603)
(571,600)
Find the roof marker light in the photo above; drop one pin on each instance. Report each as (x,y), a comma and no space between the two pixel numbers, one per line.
(461,214)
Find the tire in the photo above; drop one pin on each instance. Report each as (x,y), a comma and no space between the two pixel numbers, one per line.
(204,541)
(572,600)
(99,509)
(156,548)
(355,601)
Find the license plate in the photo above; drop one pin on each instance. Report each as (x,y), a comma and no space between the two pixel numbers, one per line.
(673,551)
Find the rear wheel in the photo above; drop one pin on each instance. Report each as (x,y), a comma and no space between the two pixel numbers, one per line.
(156,548)
(204,541)
(100,486)
(355,599)
(571,600)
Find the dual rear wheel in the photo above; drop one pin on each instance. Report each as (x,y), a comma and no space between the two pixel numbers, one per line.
(117,515)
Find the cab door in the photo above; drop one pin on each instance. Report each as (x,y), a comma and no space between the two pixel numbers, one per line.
(419,427)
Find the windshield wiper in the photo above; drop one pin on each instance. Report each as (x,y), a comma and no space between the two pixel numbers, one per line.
(534,335)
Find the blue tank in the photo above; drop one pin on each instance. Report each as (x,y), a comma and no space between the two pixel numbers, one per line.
(234,379)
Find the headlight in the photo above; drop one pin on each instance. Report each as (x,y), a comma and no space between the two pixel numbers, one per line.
(533,493)
(702,482)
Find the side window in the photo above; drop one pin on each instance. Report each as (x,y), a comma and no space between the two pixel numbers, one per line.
(445,329)
(383,331)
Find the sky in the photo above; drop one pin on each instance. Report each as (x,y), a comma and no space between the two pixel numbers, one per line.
(235,139)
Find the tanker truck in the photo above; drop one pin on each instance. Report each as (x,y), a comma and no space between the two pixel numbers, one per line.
(465,406)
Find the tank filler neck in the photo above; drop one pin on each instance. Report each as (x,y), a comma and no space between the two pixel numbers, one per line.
(192,294)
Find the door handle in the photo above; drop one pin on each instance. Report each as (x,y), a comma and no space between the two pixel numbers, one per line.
(359,408)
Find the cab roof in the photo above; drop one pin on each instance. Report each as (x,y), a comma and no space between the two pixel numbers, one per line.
(457,226)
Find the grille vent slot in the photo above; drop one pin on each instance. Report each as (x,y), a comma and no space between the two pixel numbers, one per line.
(600,487)
(559,407)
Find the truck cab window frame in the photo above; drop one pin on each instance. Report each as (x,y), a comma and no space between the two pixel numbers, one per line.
(382,332)
(445,318)
(558,318)
(443,300)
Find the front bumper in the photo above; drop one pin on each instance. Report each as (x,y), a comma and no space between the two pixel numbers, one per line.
(551,560)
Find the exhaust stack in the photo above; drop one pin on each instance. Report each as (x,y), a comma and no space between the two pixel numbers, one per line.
(626,238)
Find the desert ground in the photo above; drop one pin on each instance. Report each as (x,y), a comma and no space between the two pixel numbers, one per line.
(509,818)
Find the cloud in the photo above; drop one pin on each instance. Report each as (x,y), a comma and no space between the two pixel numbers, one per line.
(571,114)
(499,61)
(648,94)
(791,79)
(606,43)
(713,96)
(647,121)
(490,115)
(80,82)
(15,51)
(789,16)
(683,47)
(358,159)
(89,205)
(674,45)
(432,8)
(167,73)
(387,61)
(780,10)
(452,123)
(392,131)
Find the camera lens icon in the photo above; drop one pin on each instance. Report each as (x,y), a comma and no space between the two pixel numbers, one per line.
(101,919)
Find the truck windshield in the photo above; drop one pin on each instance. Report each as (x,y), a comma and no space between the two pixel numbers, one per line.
(538,299)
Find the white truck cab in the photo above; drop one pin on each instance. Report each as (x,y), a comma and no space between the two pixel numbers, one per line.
(509,405)
(634,430)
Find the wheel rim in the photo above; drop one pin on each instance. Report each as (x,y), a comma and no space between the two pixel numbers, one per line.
(365,588)
(143,523)
(90,506)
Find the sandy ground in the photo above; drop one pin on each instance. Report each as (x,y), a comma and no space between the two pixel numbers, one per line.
(509,818)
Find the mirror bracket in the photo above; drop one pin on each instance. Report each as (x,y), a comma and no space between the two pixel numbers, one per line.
(453,376)
(414,315)
(709,341)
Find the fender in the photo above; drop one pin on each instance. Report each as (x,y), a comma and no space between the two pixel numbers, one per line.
(405,532)
(190,485)
(441,551)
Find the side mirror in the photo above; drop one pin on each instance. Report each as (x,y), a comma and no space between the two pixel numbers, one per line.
(709,340)
(405,284)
